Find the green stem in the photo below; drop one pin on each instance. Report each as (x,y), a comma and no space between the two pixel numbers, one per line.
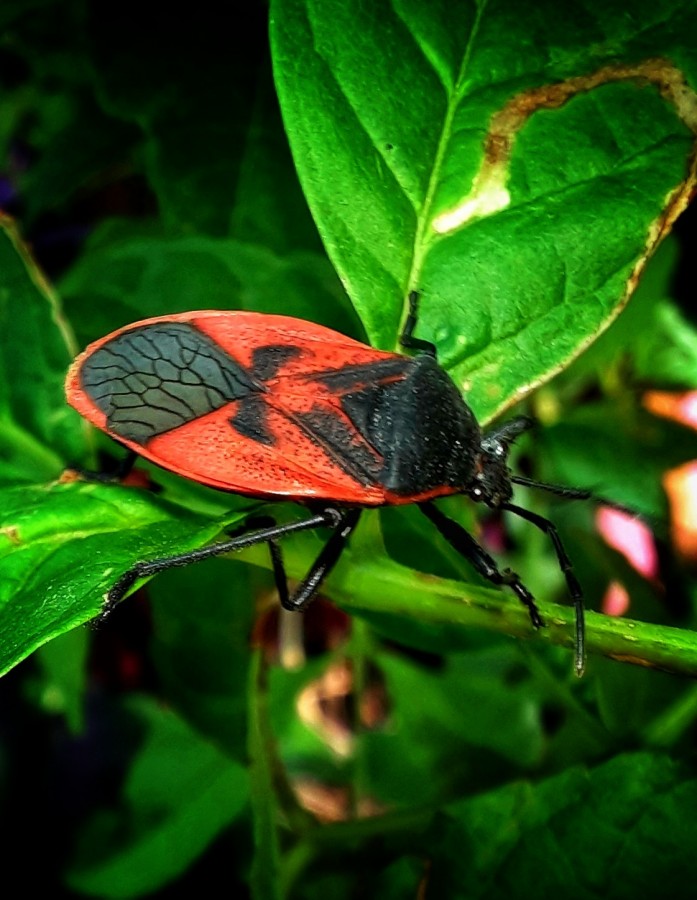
(382,586)
(264,879)
(359,653)
(377,585)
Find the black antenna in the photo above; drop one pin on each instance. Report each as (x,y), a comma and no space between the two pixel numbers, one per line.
(569,493)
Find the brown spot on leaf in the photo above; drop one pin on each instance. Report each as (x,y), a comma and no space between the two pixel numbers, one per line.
(11,532)
(488,192)
(662,74)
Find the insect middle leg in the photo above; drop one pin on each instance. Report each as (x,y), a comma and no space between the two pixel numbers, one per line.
(320,569)
(325,562)
(463,542)
(256,523)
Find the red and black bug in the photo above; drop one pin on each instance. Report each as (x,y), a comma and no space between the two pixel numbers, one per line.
(275,407)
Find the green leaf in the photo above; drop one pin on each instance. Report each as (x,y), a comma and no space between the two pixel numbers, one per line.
(462,704)
(191,90)
(669,356)
(38,431)
(62,547)
(652,331)
(269,207)
(618,454)
(202,618)
(179,794)
(15,10)
(64,665)
(84,144)
(125,275)
(607,831)
(510,169)
(266,863)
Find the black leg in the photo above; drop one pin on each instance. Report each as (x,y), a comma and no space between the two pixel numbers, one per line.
(125,465)
(325,562)
(117,473)
(462,541)
(326,518)
(406,338)
(279,572)
(572,582)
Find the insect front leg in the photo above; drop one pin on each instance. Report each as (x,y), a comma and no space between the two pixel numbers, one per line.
(463,542)
(566,566)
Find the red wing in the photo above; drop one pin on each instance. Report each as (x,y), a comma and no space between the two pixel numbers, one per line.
(239,401)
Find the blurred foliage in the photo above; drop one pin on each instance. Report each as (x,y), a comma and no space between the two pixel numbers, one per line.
(149,169)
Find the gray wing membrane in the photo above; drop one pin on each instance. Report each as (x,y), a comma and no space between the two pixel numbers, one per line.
(157,377)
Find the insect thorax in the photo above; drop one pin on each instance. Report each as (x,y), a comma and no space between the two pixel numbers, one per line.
(429,436)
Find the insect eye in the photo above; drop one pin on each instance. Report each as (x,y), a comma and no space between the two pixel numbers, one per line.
(494,448)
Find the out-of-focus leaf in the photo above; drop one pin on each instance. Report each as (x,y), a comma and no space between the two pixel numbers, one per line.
(123,277)
(191,90)
(608,830)
(461,705)
(89,144)
(594,447)
(38,431)
(179,794)
(63,662)
(269,207)
(669,355)
(202,619)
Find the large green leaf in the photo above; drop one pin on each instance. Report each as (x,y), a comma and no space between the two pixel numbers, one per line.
(608,831)
(126,273)
(62,546)
(514,167)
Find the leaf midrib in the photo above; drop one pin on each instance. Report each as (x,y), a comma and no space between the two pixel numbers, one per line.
(424,218)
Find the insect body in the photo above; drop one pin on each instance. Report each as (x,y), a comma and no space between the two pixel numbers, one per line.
(275,407)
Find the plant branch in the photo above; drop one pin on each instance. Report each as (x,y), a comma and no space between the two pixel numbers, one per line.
(381,586)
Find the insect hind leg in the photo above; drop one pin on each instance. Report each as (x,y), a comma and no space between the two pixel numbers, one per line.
(267,535)
(406,338)
(463,542)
